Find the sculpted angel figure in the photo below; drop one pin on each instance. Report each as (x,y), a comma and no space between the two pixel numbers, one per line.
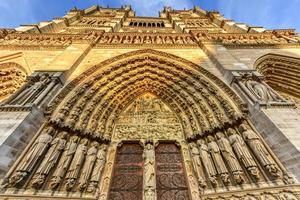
(38,148)
(50,159)
(242,152)
(64,162)
(217,158)
(259,149)
(229,156)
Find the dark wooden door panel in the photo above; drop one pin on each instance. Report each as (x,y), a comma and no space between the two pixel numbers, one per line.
(127,181)
(170,177)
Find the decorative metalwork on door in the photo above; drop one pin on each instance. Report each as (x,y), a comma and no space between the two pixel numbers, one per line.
(170,176)
(127,180)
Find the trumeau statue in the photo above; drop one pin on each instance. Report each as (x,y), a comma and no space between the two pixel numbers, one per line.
(242,152)
(32,157)
(197,165)
(262,92)
(64,162)
(229,156)
(207,162)
(259,149)
(31,92)
(88,166)
(217,158)
(49,161)
(149,168)
(98,168)
(76,164)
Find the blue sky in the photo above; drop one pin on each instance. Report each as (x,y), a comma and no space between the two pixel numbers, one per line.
(271,14)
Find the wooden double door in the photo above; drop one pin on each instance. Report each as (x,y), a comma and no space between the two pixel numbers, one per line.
(127,180)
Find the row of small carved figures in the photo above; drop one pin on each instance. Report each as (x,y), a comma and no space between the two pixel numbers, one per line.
(274,195)
(76,162)
(234,149)
(39,40)
(146,40)
(249,39)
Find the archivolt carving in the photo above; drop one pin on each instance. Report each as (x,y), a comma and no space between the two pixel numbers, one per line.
(101,94)
(12,77)
(282,74)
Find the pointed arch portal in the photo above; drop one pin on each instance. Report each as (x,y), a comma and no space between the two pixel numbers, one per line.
(91,103)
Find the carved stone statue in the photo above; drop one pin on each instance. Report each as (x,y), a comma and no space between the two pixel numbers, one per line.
(168,40)
(137,40)
(287,196)
(104,40)
(159,40)
(209,165)
(217,158)
(49,161)
(229,156)
(38,148)
(149,168)
(262,92)
(197,165)
(115,40)
(76,164)
(147,40)
(31,92)
(149,194)
(64,162)
(127,40)
(97,171)
(88,166)
(179,40)
(242,152)
(259,149)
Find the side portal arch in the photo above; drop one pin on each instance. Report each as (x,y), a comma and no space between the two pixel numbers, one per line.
(282,74)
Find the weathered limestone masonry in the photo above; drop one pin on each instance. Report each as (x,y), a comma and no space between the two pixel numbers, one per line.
(103,104)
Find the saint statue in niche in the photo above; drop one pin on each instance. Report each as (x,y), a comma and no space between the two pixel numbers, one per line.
(31,92)
(262,91)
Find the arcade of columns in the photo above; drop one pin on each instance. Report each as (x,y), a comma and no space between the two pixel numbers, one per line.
(102,104)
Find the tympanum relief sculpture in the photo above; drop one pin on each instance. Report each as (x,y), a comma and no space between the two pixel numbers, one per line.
(147,117)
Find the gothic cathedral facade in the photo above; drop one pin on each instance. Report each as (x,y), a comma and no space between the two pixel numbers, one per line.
(101,104)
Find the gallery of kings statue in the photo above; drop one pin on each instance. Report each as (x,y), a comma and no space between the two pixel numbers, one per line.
(101,104)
